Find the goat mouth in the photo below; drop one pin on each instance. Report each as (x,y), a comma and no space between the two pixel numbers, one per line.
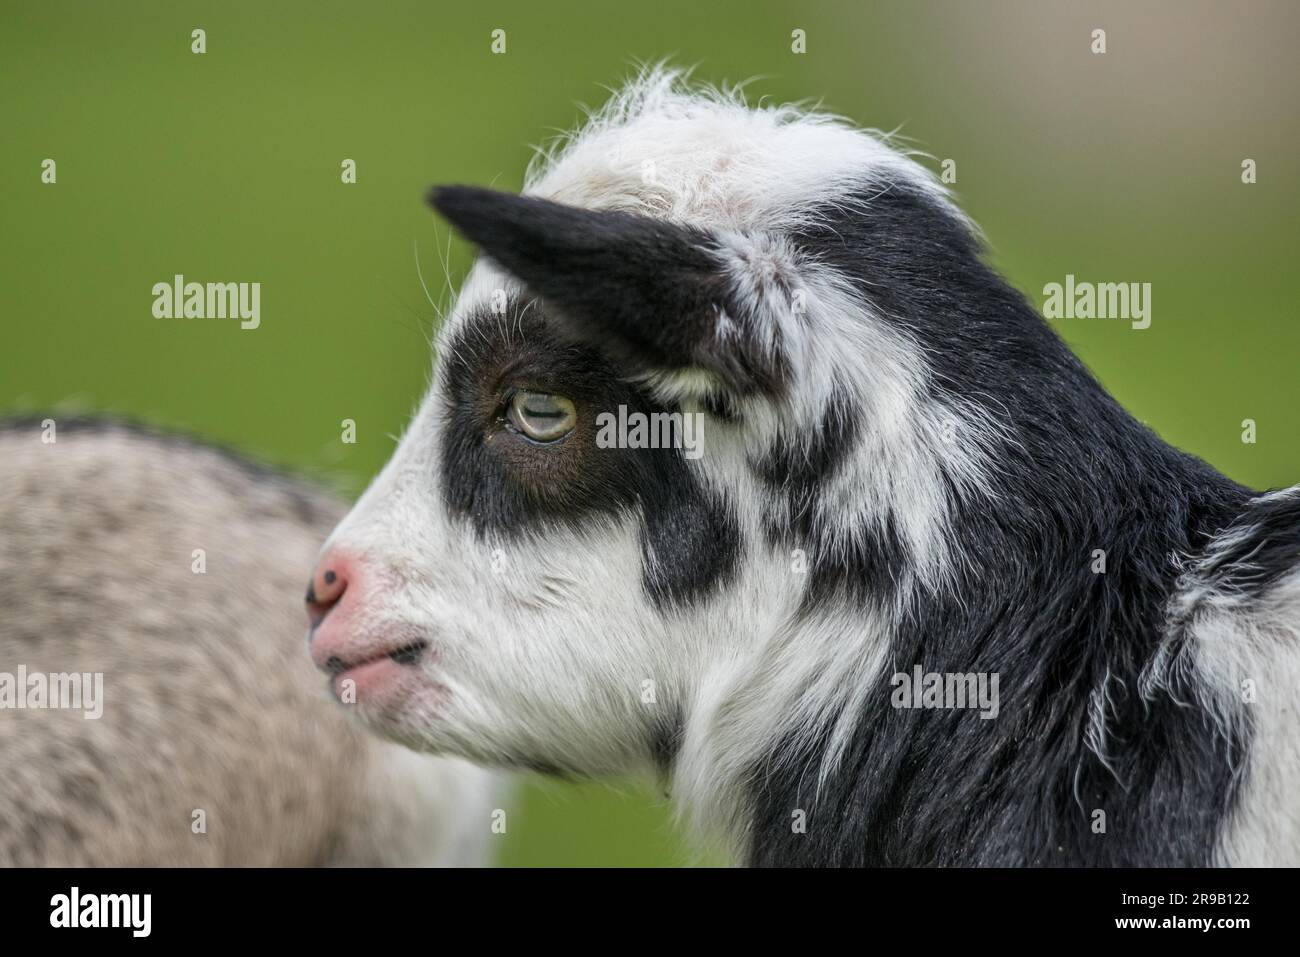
(408,654)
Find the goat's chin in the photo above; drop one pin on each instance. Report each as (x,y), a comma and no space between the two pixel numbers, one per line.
(406,731)
(433,731)
(398,702)
(430,736)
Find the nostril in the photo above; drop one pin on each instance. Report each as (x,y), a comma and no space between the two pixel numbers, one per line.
(334,665)
(325,590)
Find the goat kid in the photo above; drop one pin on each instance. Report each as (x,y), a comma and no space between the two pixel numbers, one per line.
(903,467)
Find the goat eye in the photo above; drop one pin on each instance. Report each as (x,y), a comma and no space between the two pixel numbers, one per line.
(542,417)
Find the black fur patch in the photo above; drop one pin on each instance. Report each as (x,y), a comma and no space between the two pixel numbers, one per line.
(505,484)
(866,566)
(1261,547)
(667,741)
(935,787)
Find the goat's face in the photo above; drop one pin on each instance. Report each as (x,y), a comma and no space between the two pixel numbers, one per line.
(517,587)
(526,583)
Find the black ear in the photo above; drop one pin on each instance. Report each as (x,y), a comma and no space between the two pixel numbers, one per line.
(653,293)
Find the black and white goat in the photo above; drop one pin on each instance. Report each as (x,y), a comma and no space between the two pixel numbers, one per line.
(903,469)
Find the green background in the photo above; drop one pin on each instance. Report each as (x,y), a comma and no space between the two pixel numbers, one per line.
(225,166)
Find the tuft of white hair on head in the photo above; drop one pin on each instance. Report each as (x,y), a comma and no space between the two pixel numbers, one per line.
(669,146)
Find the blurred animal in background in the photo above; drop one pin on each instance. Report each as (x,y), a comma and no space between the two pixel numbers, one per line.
(155,704)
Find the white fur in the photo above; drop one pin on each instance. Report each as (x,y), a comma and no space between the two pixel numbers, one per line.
(1235,640)
(693,154)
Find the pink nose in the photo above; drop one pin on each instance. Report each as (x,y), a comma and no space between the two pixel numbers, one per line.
(349,635)
(326,588)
